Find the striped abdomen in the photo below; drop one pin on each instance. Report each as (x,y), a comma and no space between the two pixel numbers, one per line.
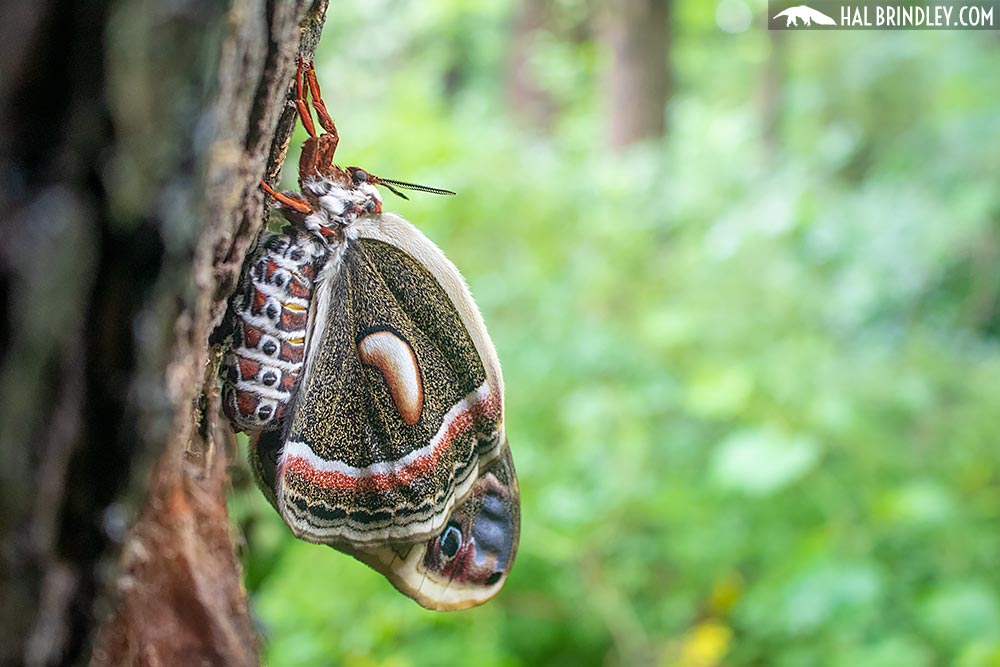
(270,318)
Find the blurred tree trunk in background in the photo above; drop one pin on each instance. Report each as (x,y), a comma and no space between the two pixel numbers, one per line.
(525,97)
(132,138)
(772,80)
(636,34)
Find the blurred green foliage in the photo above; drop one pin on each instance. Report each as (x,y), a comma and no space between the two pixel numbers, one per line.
(752,380)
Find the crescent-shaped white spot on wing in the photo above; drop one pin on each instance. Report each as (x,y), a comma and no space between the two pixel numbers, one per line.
(395,358)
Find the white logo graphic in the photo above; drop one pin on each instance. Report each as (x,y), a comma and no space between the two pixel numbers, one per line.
(807,14)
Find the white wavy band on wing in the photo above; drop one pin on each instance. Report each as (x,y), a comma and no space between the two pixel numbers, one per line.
(303,451)
(403,524)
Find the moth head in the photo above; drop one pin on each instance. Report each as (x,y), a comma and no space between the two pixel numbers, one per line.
(362,178)
(365,183)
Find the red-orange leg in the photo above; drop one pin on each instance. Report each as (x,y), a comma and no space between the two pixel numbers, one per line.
(288,202)
(300,98)
(317,99)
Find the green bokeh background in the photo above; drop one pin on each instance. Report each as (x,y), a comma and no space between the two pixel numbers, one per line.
(753,385)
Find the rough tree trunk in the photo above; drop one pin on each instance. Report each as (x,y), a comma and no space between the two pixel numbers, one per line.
(637,34)
(132,138)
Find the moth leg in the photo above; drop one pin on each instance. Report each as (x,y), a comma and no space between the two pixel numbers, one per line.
(300,97)
(287,201)
(321,112)
(327,142)
(319,150)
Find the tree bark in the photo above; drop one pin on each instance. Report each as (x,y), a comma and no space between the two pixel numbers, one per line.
(133,137)
(637,36)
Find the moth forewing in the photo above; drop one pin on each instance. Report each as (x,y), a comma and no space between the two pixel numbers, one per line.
(394,230)
(360,469)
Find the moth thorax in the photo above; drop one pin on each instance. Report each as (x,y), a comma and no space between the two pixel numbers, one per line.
(339,205)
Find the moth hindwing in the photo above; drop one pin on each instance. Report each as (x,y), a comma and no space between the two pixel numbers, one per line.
(362,369)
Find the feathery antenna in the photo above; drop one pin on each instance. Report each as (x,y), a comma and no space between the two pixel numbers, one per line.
(411,186)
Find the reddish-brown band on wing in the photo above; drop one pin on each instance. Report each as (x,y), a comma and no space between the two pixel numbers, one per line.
(332,502)
(300,462)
